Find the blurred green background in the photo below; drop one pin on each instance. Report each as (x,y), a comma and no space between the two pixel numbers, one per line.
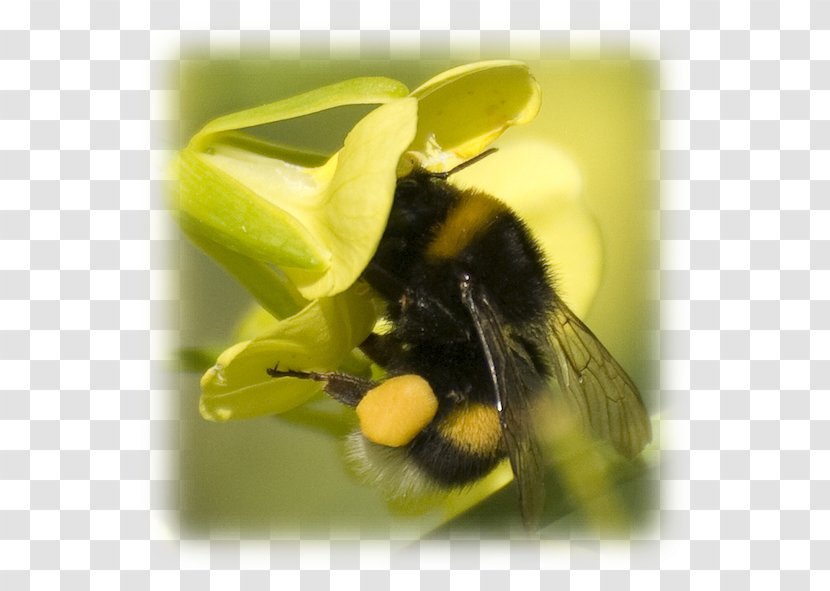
(289,472)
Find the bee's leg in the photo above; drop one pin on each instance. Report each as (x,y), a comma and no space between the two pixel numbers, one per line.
(344,388)
(383,349)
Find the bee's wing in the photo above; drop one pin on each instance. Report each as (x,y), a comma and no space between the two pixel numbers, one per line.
(595,387)
(515,381)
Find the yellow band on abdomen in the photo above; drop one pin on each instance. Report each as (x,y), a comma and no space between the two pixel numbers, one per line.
(474,428)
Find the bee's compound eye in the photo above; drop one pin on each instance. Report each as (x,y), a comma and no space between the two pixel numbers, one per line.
(394,412)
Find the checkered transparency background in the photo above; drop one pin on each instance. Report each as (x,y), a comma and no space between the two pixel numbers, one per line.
(88,437)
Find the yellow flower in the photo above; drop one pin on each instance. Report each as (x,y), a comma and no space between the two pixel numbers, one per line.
(297,229)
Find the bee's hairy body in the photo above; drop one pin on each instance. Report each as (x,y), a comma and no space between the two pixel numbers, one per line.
(480,338)
(438,237)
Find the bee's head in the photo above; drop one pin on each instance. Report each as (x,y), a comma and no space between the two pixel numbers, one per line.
(422,199)
(421,202)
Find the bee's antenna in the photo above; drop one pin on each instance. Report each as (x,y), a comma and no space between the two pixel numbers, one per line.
(465,164)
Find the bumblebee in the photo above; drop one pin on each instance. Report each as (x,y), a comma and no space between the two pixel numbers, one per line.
(479,341)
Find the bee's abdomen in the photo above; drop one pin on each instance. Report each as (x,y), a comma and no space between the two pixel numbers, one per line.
(460,447)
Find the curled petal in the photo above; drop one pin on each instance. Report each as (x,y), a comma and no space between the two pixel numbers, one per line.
(356,91)
(463,110)
(318,220)
(214,202)
(349,215)
(318,338)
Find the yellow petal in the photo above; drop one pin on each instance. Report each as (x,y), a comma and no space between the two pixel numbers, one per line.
(318,338)
(216,204)
(237,387)
(255,322)
(355,91)
(463,110)
(320,225)
(319,219)
(348,217)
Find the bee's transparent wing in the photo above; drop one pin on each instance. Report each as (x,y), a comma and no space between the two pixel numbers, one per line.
(595,387)
(515,382)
